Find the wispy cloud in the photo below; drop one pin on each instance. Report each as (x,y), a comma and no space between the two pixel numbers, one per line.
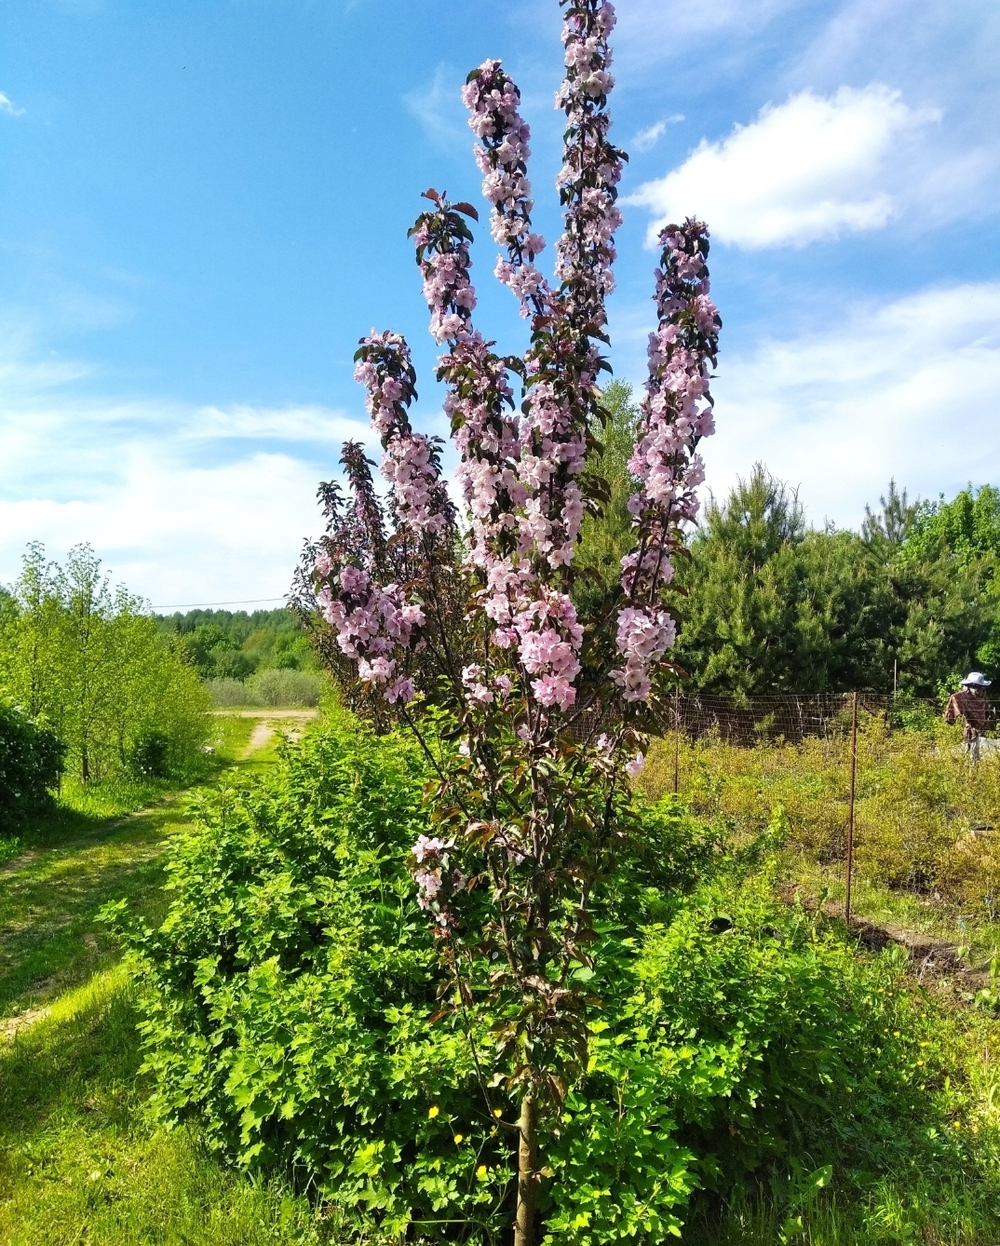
(810,169)
(316,424)
(8,106)
(438,107)
(905,388)
(647,139)
(185,502)
(650,32)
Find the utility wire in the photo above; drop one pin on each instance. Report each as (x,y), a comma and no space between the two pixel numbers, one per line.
(204,605)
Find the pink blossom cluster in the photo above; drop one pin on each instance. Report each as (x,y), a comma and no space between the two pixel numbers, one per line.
(411,462)
(442,240)
(592,165)
(543,631)
(434,882)
(373,625)
(643,636)
(480,399)
(553,455)
(502,156)
(675,414)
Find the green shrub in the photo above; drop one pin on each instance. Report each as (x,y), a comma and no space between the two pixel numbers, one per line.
(272,688)
(226,692)
(288,1006)
(286,687)
(31,761)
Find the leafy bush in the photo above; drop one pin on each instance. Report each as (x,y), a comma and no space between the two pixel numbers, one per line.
(288,1004)
(150,755)
(286,687)
(31,761)
(270,688)
(226,692)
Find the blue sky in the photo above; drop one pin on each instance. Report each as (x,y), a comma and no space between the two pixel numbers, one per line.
(204,203)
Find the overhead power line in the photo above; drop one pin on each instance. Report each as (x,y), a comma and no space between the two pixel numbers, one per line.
(204,605)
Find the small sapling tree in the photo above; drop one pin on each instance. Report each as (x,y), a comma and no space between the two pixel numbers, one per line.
(531,717)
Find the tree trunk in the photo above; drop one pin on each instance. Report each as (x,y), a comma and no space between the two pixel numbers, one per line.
(527,1163)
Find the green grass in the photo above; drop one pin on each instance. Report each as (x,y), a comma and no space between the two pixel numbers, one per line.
(79,1162)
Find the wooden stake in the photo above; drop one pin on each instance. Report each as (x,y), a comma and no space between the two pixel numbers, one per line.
(850,807)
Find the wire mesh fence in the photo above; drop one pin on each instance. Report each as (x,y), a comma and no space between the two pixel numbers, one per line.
(794,716)
(875,785)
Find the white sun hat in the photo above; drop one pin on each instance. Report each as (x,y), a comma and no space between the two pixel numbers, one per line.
(976,679)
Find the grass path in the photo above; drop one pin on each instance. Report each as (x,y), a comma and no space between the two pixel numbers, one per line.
(79,1162)
(49,896)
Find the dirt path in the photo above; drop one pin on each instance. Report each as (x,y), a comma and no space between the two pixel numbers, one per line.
(265,713)
(933,961)
(270,721)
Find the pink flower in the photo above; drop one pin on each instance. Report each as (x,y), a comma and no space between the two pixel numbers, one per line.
(636,766)
(427,847)
(402,690)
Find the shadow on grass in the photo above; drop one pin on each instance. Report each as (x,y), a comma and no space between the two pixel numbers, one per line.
(82,1060)
(79,1162)
(98,844)
(50,895)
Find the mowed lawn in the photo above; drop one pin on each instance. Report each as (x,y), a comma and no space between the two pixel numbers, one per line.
(79,1160)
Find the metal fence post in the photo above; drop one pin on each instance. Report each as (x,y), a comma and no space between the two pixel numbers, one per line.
(850,808)
(677,741)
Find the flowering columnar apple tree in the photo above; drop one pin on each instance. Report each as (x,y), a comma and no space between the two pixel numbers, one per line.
(479,629)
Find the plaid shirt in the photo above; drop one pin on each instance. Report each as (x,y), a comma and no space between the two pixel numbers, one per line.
(971,706)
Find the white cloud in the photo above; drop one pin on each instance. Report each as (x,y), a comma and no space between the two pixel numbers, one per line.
(312,423)
(176,499)
(180,533)
(438,107)
(908,389)
(8,106)
(812,168)
(646,139)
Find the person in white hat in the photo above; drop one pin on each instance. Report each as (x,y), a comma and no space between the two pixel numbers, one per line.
(970,704)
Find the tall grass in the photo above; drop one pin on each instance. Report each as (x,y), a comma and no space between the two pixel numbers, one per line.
(927,819)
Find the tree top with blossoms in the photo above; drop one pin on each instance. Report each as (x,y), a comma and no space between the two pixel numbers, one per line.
(523,467)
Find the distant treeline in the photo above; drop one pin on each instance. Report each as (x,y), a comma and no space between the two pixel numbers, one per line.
(225,644)
(770,604)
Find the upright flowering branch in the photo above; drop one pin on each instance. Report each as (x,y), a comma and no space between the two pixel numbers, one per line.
(592,165)
(544,709)
(492,99)
(675,413)
(412,462)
